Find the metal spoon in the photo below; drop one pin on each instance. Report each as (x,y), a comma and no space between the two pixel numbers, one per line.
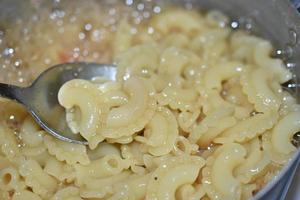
(40,99)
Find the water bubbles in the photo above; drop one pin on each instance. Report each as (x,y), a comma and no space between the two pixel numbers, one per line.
(278,52)
(140,6)
(47,61)
(88,27)
(135,14)
(247,23)
(75,74)
(96,35)
(234,25)
(133,31)
(18,63)
(56,14)
(21,80)
(81,36)
(157,9)
(146,14)
(293,38)
(76,52)
(56,1)
(8,51)
(290,65)
(137,20)
(150,30)
(129,2)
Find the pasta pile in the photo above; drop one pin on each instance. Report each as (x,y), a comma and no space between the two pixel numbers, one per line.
(197,111)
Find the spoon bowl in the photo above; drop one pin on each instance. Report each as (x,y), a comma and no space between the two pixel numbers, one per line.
(41,101)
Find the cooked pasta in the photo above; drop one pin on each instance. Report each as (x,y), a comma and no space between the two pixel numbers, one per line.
(196,111)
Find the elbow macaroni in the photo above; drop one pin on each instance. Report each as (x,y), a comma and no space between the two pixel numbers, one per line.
(196,112)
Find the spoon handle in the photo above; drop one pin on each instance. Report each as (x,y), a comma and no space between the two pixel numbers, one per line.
(11,92)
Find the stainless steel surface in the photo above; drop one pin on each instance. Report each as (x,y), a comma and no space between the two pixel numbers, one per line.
(40,99)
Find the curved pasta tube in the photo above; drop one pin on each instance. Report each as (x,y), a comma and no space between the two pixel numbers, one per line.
(86,101)
(256,84)
(184,146)
(255,163)
(211,45)
(103,150)
(276,157)
(8,144)
(212,100)
(186,119)
(100,188)
(134,115)
(215,75)
(40,182)
(249,128)
(262,57)
(61,171)
(178,40)
(284,131)
(208,129)
(173,61)
(289,104)
(25,194)
(235,95)
(243,46)
(171,175)
(109,165)
(178,98)
(218,179)
(32,138)
(152,162)
(137,60)
(10,179)
(160,133)
(64,151)
(189,192)
(134,188)
(185,21)
(121,140)
(67,193)
(133,154)
(123,38)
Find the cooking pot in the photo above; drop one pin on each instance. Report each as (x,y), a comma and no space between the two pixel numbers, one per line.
(275,20)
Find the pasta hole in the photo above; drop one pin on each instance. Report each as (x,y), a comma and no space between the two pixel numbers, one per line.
(6,178)
(253,113)
(113,163)
(180,146)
